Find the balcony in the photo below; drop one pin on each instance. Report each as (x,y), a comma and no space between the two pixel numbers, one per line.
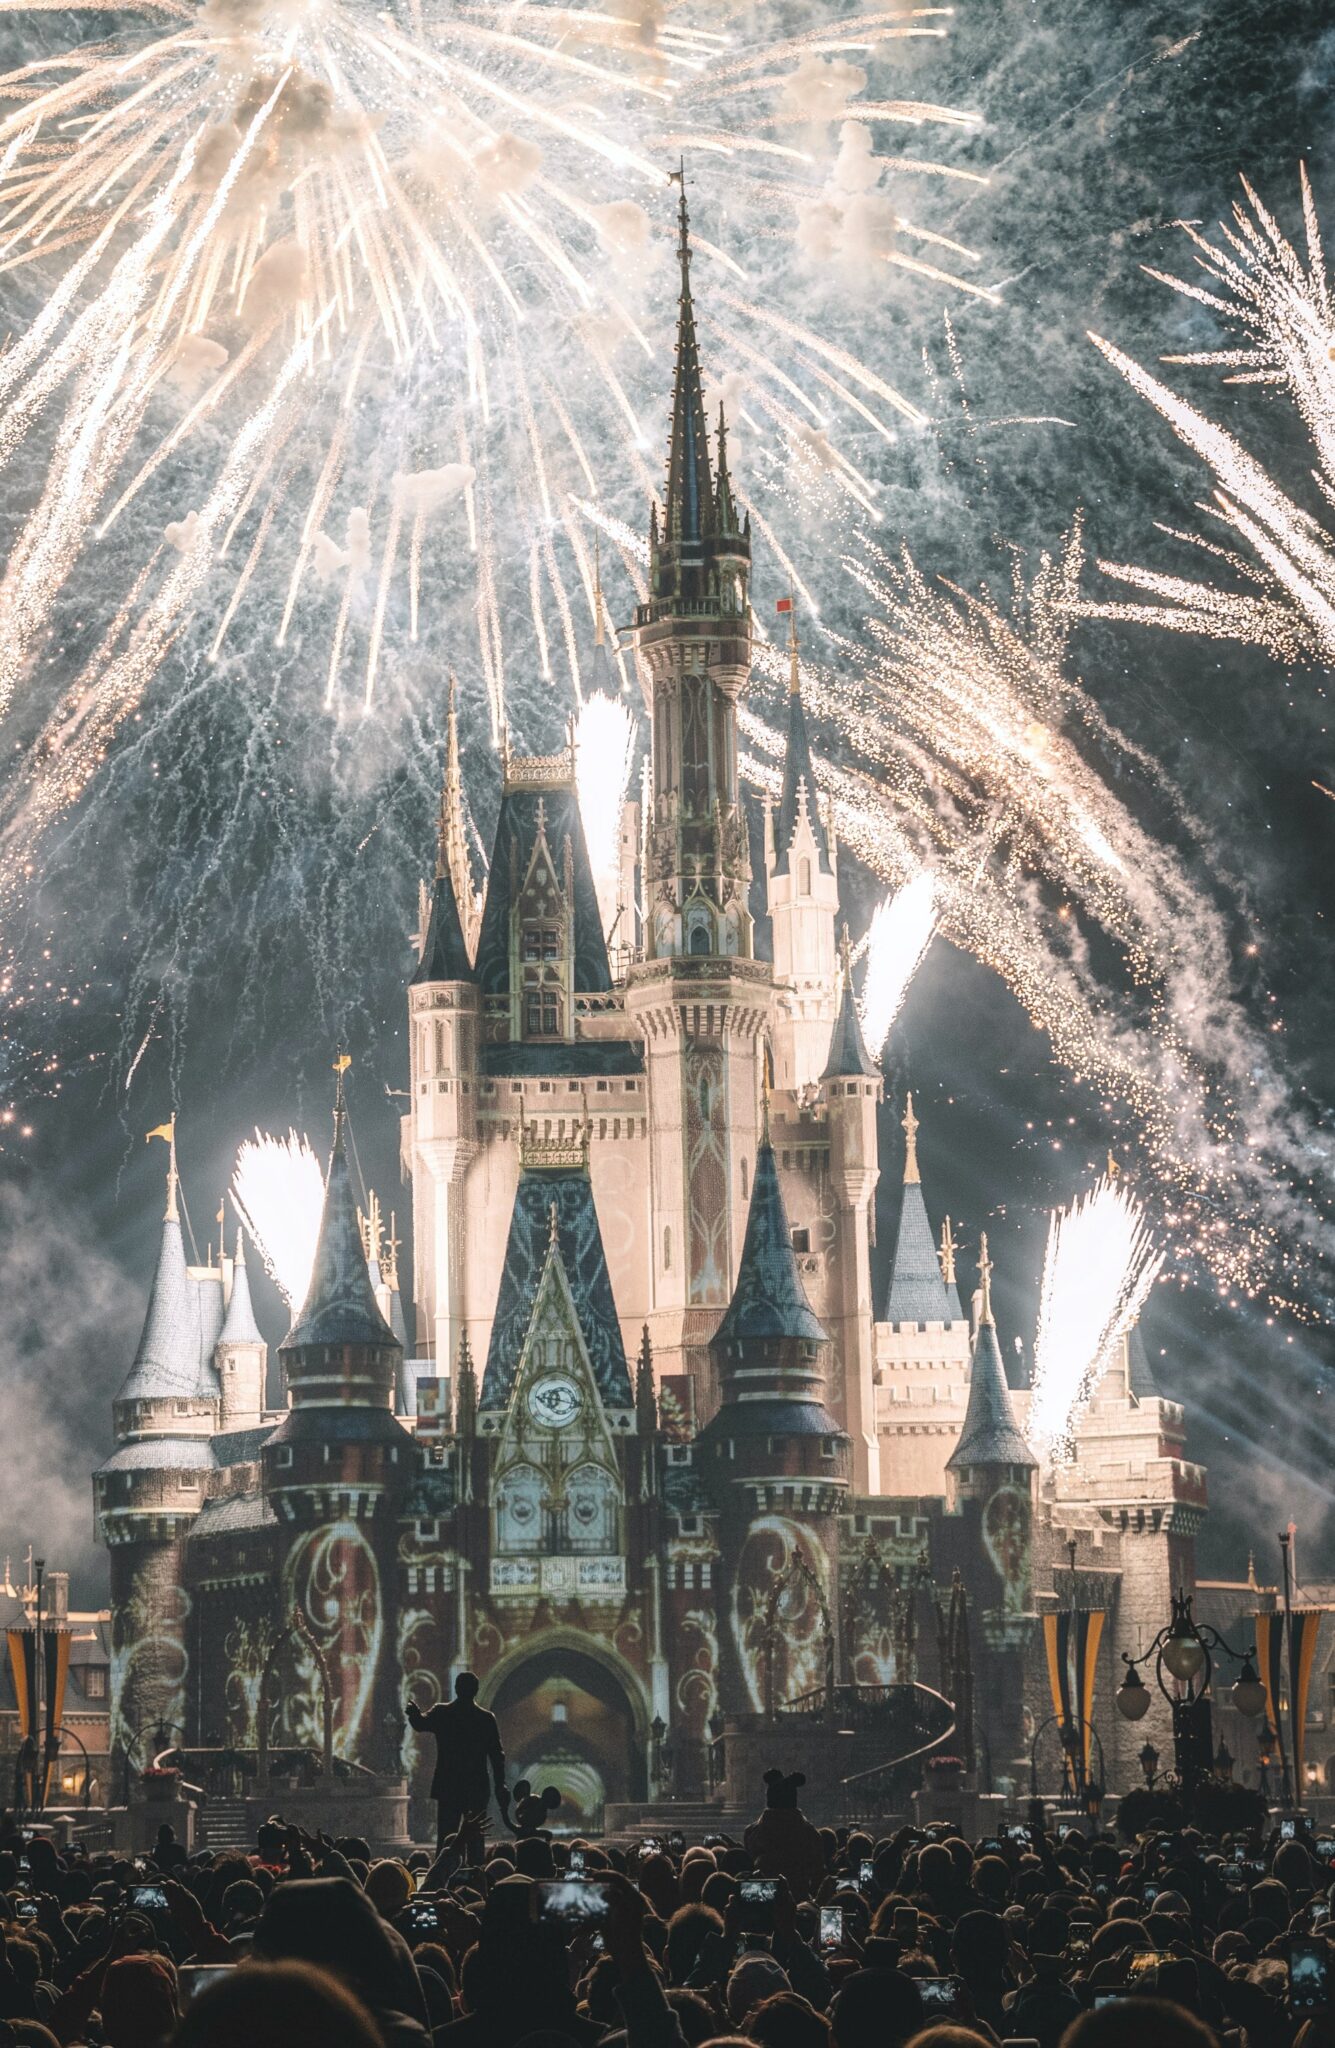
(591,1578)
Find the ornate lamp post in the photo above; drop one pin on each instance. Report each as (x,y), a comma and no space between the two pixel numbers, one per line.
(1183,1650)
(1149,1764)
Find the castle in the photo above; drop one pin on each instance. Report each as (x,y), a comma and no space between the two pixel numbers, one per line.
(659,1468)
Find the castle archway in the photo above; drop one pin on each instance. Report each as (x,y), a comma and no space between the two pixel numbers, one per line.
(572,1715)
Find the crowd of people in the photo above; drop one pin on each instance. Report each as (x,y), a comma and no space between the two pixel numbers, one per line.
(794,1937)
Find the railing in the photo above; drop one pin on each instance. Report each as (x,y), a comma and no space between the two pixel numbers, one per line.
(855,1706)
(926,1725)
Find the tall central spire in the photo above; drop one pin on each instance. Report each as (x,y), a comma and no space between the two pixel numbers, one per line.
(689,507)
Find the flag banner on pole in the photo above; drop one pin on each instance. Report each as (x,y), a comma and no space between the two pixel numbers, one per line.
(1088,1636)
(1057,1641)
(785,604)
(56,1658)
(1269,1653)
(1306,1629)
(23,1666)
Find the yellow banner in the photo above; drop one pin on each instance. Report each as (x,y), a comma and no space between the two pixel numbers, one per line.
(1087,1676)
(18,1664)
(1054,1646)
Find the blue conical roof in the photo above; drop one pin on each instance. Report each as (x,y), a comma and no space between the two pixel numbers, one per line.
(769,1299)
(568,1193)
(991,1435)
(848,1056)
(340,1305)
(444,947)
(239,1325)
(167,1361)
(799,779)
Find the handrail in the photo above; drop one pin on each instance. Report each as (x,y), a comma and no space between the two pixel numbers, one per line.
(911,1756)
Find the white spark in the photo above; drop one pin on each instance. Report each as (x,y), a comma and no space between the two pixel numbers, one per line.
(898,937)
(604,751)
(278,1189)
(1100,1265)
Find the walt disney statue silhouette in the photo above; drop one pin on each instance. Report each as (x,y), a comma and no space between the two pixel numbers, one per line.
(468,1750)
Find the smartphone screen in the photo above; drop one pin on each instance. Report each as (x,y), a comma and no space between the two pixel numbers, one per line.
(1142,1963)
(576,1903)
(576,1863)
(1288,1829)
(831,1926)
(865,1874)
(1309,1974)
(905,1925)
(424,1916)
(941,1994)
(756,1896)
(148,1898)
(196,1977)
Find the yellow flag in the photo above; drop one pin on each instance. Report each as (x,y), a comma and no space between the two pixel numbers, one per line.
(342,1063)
(167,1131)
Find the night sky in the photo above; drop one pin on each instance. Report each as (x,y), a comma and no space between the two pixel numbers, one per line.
(237,893)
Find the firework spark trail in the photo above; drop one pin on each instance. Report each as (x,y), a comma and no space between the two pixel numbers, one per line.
(896,943)
(213,197)
(1282,596)
(604,755)
(1099,1266)
(966,748)
(278,1189)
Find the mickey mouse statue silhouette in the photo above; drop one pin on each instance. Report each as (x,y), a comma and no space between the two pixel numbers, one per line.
(531,1809)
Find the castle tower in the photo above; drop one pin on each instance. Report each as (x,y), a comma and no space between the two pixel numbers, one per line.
(994,1471)
(922,1346)
(777,1467)
(699,1000)
(440,1130)
(693,639)
(240,1353)
(802,890)
(335,1472)
(850,1086)
(149,1491)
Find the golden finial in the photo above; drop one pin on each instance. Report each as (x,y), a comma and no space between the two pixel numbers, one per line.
(766,1084)
(845,959)
(947,1253)
(984,1282)
(392,1243)
(167,1132)
(1113,1168)
(342,1061)
(794,675)
(910,1130)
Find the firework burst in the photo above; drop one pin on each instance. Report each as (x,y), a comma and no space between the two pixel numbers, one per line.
(1100,1264)
(1281,558)
(278,1189)
(342,311)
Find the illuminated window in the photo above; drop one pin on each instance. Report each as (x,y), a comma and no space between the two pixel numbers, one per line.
(542,1015)
(95,1682)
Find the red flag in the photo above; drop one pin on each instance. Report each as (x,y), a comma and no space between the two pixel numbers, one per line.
(785,604)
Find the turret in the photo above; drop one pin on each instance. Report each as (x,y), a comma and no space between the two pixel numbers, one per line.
(149,1491)
(440,1135)
(850,1087)
(335,1472)
(992,1449)
(802,890)
(773,1458)
(241,1354)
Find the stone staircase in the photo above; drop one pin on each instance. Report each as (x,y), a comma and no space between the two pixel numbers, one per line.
(693,1818)
(222,1824)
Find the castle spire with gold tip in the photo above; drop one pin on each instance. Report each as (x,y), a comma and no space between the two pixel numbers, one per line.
(920,1290)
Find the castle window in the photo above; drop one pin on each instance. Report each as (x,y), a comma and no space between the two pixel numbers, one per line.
(804,877)
(95,1682)
(699,940)
(828,1447)
(542,1014)
(801,1240)
(186,1482)
(667,1247)
(282,1457)
(591,1509)
(542,943)
(744,1189)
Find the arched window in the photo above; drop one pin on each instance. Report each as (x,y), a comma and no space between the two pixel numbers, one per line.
(519,1510)
(591,1509)
(699,939)
(667,1247)
(804,877)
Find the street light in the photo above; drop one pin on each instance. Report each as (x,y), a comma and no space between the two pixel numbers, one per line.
(1149,1762)
(1182,1649)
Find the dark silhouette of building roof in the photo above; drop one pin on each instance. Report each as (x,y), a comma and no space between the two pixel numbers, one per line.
(340,1305)
(769,1299)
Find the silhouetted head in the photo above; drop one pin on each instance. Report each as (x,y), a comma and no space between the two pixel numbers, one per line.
(465,1686)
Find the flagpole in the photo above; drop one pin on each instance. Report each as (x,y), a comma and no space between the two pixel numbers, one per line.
(1292,1792)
